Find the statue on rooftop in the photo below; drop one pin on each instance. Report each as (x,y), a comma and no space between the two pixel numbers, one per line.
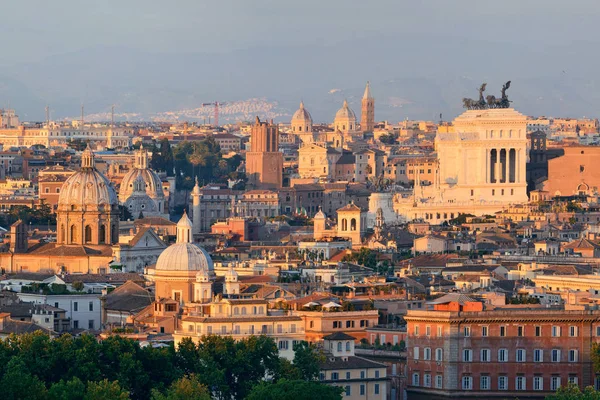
(471,104)
(490,101)
(380,183)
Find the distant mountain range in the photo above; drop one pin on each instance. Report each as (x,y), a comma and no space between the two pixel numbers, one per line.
(408,80)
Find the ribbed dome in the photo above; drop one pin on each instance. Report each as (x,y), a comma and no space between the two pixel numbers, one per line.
(301,116)
(345,112)
(153,184)
(184,257)
(87,188)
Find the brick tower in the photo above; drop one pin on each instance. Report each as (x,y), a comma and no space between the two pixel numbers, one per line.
(367,116)
(264,163)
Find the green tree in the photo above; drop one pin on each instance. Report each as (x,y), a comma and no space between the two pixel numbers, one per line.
(294,390)
(186,388)
(120,360)
(67,390)
(78,286)
(388,138)
(77,144)
(162,159)
(307,359)
(105,390)
(231,368)
(572,392)
(365,257)
(19,384)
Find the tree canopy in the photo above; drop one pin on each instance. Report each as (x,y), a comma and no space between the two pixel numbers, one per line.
(200,159)
(40,215)
(295,390)
(33,366)
(572,392)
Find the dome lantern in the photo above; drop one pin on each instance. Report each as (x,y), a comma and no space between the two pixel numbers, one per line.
(184,229)
(87,158)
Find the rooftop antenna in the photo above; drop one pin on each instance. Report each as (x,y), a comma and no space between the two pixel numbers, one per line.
(47,116)
(82,115)
(112,116)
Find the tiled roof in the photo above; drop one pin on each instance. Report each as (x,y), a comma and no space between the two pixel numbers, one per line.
(20,327)
(129,297)
(53,249)
(153,221)
(256,279)
(29,276)
(581,244)
(118,277)
(352,362)
(453,297)
(339,336)
(349,207)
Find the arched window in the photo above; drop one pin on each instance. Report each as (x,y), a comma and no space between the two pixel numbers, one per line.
(243,310)
(344,224)
(312,324)
(73,234)
(254,310)
(236,311)
(353,224)
(339,346)
(102,234)
(88,234)
(47,190)
(347,346)
(261,310)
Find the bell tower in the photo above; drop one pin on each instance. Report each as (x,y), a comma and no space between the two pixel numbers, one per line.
(367,115)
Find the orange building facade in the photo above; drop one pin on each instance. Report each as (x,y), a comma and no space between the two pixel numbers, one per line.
(460,350)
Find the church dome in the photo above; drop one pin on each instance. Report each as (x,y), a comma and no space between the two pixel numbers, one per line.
(88,188)
(302,115)
(301,121)
(184,255)
(151,179)
(139,201)
(345,112)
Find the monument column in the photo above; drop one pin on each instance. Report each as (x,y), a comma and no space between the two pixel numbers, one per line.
(196,213)
(497,167)
(512,165)
(488,162)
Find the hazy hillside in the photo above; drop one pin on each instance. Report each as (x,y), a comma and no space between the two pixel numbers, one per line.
(409,79)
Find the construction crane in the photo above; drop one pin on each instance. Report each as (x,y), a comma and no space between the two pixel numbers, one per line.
(216,104)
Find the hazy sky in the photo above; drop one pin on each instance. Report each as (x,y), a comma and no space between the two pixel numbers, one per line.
(424,54)
(32,29)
